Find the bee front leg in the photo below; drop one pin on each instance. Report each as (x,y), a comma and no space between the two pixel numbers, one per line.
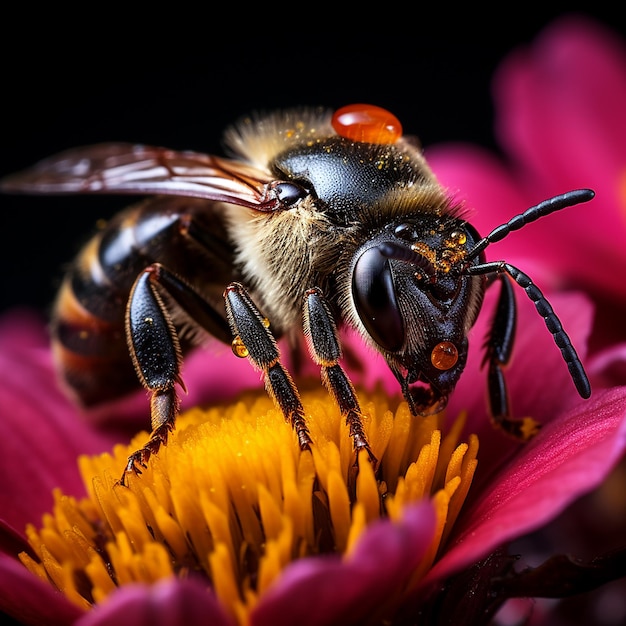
(499,346)
(321,332)
(254,340)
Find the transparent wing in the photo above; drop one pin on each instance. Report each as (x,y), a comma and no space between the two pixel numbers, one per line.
(138,169)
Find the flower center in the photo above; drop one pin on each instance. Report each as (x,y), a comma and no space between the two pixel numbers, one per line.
(232,498)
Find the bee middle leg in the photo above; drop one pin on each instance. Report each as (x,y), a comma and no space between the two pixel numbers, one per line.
(257,343)
(155,349)
(325,350)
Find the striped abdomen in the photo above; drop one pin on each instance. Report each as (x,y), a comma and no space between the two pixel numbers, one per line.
(88,335)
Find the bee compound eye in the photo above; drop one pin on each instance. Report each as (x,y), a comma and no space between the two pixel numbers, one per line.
(375,299)
(366,123)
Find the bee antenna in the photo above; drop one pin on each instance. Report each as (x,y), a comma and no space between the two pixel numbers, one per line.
(530,215)
(408,255)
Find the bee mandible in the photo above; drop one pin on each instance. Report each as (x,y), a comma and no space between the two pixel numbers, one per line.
(316,220)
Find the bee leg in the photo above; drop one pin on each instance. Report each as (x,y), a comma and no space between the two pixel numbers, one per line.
(155,348)
(499,344)
(254,340)
(156,355)
(321,332)
(498,349)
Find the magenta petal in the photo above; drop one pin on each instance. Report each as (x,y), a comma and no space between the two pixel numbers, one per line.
(211,373)
(608,367)
(560,117)
(538,379)
(560,103)
(322,591)
(12,540)
(214,374)
(169,602)
(479,181)
(22,329)
(492,195)
(30,600)
(560,106)
(45,434)
(570,456)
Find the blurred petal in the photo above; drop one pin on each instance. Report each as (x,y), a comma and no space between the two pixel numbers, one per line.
(538,379)
(570,456)
(608,367)
(561,117)
(44,434)
(561,105)
(31,600)
(166,603)
(327,591)
(212,373)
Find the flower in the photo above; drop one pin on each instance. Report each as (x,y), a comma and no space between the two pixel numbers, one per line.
(305,542)
(516,490)
(233,499)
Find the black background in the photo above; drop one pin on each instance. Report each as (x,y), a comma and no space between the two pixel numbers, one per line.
(177,76)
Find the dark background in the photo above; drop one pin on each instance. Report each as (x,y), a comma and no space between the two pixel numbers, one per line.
(178,82)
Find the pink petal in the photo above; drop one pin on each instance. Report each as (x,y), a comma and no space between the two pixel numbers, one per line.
(214,374)
(322,591)
(570,456)
(560,117)
(12,541)
(166,603)
(560,107)
(43,431)
(481,183)
(22,329)
(31,601)
(47,431)
(608,367)
(211,373)
(561,103)
(538,379)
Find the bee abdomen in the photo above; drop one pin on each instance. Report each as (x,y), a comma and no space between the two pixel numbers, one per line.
(90,352)
(88,324)
(87,329)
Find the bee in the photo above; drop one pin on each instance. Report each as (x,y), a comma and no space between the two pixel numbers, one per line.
(316,220)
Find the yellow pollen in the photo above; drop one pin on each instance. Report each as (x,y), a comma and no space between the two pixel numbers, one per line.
(457,238)
(233,499)
(239,348)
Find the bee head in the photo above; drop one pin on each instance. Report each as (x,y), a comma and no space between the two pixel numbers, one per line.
(417,305)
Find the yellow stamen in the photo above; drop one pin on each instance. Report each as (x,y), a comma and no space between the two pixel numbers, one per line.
(233,498)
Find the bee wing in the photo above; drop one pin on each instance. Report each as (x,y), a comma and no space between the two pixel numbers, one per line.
(139,169)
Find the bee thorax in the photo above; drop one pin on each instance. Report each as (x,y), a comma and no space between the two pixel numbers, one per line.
(280,256)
